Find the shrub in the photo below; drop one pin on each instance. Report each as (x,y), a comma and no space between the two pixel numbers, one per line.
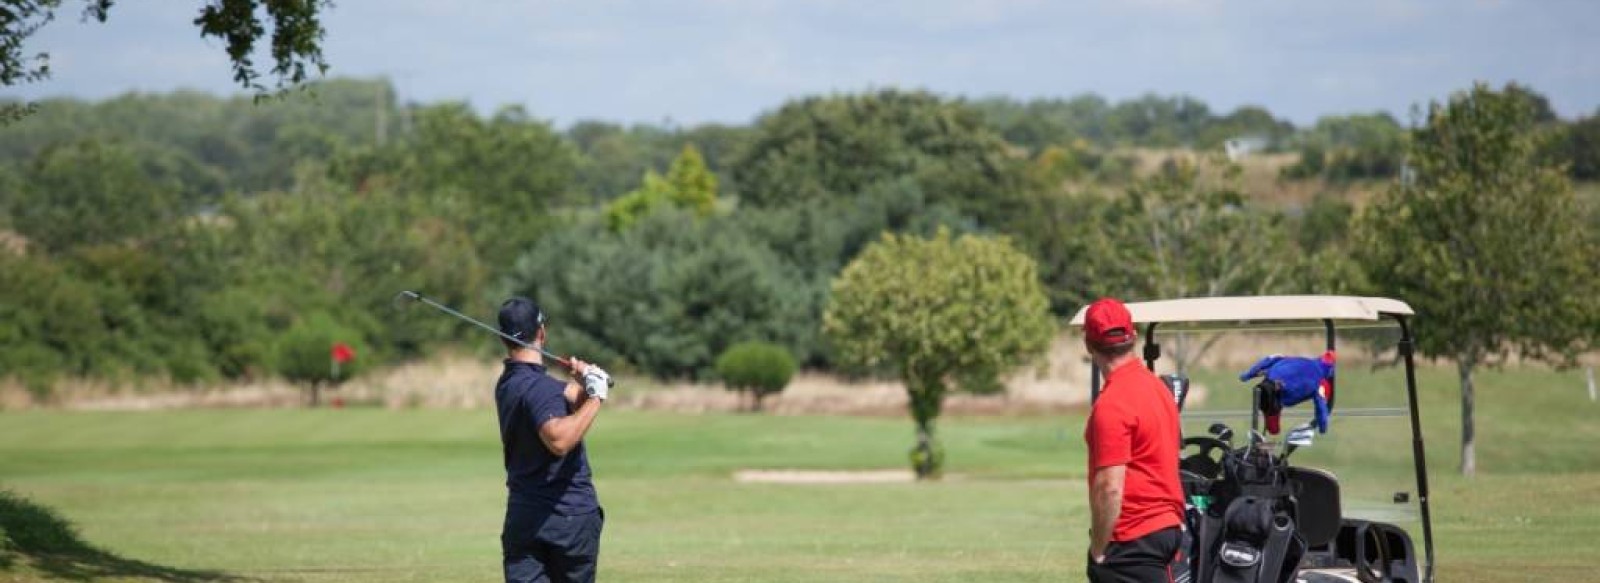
(303,352)
(757,367)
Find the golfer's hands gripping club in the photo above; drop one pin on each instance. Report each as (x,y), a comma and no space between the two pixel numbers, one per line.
(596,381)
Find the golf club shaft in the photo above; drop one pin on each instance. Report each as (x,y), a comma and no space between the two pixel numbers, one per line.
(446,309)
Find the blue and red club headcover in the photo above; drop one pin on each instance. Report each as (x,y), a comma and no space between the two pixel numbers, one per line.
(1292,380)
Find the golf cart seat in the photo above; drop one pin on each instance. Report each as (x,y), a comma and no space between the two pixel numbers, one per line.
(1316,504)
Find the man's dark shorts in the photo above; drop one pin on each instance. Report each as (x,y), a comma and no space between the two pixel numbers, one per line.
(541,546)
(1142,560)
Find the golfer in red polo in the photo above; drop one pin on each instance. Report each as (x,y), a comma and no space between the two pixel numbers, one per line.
(1135,497)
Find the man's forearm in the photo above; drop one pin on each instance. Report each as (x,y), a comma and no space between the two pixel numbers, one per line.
(1105,506)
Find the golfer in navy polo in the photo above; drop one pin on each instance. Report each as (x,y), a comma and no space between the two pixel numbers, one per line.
(553,517)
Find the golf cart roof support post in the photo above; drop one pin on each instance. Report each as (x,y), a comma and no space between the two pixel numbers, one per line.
(1152,351)
(1333,393)
(1418,453)
(1255,409)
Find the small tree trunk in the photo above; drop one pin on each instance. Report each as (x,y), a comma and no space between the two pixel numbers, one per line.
(758,396)
(1469,460)
(927,398)
(316,394)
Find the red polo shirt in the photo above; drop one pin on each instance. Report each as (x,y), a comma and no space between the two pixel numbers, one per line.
(1135,424)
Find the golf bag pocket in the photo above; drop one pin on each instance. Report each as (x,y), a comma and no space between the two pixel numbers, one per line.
(1256,544)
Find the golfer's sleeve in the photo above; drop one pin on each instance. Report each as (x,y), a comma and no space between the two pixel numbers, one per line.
(1110,437)
(546,403)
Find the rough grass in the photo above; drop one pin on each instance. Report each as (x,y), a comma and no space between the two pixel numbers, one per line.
(416,495)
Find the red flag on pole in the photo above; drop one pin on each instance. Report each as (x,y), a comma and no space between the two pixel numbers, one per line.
(342,353)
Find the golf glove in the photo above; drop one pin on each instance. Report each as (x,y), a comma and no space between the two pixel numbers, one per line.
(596,382)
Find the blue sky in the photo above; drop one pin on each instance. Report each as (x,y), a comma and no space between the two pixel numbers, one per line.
(694,61)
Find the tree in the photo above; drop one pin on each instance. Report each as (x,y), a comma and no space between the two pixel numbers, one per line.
(938,313)
(1579,147)
(688,185)
(296,38)
(759,368)
(839,147)
(91,192)
(667,295)
(497,177)
(1352,147)
(1486,242)
(303,352)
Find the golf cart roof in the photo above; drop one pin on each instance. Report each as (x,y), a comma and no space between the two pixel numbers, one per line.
(1261,308)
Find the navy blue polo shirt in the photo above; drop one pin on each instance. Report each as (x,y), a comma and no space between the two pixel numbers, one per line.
(527,398)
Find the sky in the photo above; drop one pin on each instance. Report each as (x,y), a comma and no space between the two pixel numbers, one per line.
(695,61)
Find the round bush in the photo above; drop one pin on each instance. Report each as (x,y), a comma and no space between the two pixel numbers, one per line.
(758,367)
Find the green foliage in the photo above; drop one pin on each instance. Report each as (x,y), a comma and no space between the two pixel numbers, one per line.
(688,185)
(104,311)
(192,232)
(623,212)
(1579,146)
(1325,223)
(222,144)
(757,367)
(817,149)
(1485,242)
(938,312)
(45,316)
(303,353)
(497,178)
(1151,121)
(1346,148)
(1040,123)
(668,295)
(693,186)
(296,37)
(1248,122)
(1188,232)
(612,158)
(92,193)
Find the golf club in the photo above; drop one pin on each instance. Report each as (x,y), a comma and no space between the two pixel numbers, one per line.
(408,296)
(1297,438)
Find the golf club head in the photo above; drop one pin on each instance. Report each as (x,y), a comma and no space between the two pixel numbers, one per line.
(404,299)
(1300,436)
(1222,432)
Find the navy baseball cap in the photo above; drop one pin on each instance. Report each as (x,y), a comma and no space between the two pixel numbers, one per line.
(520,318)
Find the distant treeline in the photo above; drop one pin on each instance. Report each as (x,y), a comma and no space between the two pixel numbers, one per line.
(197,238)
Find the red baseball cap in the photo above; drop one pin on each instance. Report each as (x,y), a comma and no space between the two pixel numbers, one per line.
(1108,323)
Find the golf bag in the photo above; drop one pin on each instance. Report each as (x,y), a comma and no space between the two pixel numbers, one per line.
(1247,533)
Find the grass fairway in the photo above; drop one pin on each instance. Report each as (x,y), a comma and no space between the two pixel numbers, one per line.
(375,495)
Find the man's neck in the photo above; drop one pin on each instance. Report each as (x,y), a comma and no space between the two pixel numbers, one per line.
(527,355)
(1110,364)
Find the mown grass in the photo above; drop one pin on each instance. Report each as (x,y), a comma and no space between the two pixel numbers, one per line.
(370,495)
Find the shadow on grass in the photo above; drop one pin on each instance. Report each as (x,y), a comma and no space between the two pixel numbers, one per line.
(36,536)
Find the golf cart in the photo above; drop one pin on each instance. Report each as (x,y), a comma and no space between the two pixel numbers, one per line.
(1252,516)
